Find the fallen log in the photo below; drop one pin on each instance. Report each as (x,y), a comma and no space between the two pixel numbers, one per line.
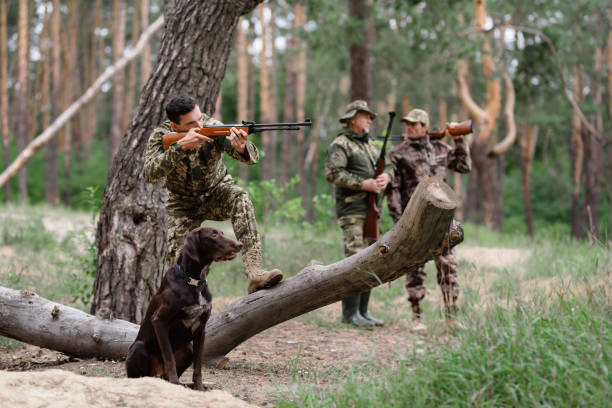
(412,241)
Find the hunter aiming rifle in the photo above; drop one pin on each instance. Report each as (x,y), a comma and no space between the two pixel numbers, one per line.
(370,228)
(224,130)
(455,129)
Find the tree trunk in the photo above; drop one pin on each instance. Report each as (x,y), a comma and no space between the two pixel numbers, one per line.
(131,236)
(300,98)
(271,156)
(145,72)
(132,81)
(411,242)
(593,153)
(577,159)
(361,72)
(4,115)
(610,134)
(287,151)
(528,137)
(119,7)
(242,84)
(264,97)
(21,92)
(51,182)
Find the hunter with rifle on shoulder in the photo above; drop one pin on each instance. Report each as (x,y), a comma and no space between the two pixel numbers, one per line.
(185,152)
(350,166)
(418,157)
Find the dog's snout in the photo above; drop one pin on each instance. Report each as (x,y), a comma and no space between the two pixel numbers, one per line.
(239,245)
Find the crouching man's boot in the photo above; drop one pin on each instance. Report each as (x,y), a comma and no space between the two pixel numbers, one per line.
(351,315)
(258,277)
(363,309)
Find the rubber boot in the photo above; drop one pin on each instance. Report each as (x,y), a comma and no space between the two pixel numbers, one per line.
(258,277)
(351,315)
(364,299)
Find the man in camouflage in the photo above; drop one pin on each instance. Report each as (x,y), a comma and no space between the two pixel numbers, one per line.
(199,186)
(413,160)
(350,165)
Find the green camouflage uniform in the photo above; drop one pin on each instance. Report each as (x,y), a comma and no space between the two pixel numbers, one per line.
(200,188)
(351,158)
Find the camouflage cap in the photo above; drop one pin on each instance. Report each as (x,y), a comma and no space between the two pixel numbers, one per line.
(352,108)
(417,115)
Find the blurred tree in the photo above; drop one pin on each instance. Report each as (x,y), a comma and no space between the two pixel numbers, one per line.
(119,11)
(22,113)
(4,98)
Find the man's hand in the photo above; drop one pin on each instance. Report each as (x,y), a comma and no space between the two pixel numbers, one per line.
(238,139)
(382,180)
(193,140)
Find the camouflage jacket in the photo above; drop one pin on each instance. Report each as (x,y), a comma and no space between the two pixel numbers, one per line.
(191,172)
(351,158)
(415,160)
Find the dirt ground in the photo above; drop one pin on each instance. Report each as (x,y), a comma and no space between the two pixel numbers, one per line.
(281,357)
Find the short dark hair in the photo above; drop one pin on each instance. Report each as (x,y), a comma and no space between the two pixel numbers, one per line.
(178,106)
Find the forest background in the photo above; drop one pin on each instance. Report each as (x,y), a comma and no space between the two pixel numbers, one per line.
(536,77)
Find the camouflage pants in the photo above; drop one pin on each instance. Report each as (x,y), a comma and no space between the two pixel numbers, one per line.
(352,233)
(224,201)
(447,279)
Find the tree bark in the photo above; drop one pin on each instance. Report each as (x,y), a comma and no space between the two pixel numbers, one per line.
(267,171)
(21,92)
(361,71)
(287,151)
(145,72)
(411,242)
(4,115)
(131,236)
(132,81)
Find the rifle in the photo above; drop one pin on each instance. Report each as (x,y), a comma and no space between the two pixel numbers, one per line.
(224,130)
(458,129)
(370,227)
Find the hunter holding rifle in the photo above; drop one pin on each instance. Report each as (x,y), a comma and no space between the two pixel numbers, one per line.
(350,165)
(199,186)
(419,157)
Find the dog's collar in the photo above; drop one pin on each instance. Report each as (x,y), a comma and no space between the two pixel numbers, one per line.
(187,278)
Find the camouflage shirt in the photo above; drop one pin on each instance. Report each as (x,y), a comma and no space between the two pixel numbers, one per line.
(191,172)
(417,159)
(351,158)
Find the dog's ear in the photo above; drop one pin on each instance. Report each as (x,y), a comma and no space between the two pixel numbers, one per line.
(191,248)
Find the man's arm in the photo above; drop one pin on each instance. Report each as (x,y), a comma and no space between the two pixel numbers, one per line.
(158,162)
(335,169)
(459,158)
(239,147)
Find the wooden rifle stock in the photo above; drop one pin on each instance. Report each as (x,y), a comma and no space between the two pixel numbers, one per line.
(224,130)
(459,129)
(370,227)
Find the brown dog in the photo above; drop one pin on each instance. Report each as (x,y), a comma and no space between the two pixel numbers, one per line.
(178,312)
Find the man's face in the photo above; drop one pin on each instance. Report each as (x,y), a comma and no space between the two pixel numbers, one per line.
(360,123)
(415,130)
(189,120)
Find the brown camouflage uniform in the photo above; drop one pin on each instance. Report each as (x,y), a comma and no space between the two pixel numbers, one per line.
(412,161)
(200,188)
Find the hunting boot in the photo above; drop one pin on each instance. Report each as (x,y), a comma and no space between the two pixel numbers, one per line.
(363,309)
(258,277)
(351,315)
